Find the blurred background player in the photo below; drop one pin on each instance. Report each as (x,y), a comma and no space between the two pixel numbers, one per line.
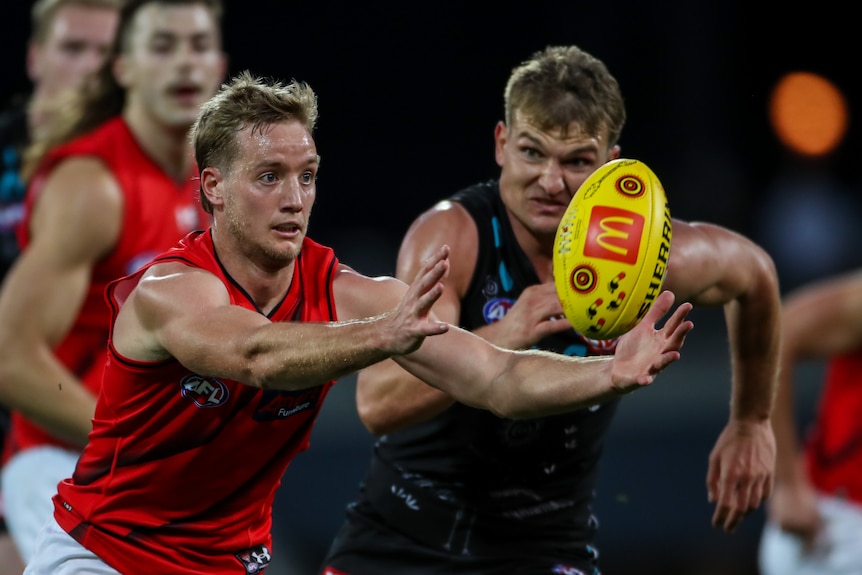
(498,495)
(69,40)
(110,185)
(814,518)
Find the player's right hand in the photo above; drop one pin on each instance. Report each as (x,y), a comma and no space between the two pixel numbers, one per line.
(535,315)
(410,323)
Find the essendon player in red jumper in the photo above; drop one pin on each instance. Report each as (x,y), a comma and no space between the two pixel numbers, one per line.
(223,349)
(814,520)
(110,190)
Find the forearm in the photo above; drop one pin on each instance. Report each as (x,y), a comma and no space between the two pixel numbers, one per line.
(301,355)
(537,383)
(754,332)
(519,384)
(42,390)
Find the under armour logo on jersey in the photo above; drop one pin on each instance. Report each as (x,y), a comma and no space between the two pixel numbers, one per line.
(255,559)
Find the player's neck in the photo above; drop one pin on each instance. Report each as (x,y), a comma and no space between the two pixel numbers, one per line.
(167,146)
(538,249)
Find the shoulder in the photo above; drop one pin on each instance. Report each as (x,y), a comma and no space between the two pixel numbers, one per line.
(88,176)
(446,223)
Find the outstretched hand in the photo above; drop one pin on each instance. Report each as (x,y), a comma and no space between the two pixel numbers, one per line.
(645,351)
(409,323)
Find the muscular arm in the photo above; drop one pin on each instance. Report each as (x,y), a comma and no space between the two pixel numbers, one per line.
(712,266)
(388,398)
(529,383)
(186,313)
(821,320)
(76,222)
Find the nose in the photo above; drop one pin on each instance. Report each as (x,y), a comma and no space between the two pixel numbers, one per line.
(291,196)
(551,179)
(90,61)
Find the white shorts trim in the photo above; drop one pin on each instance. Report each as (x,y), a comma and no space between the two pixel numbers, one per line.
(29,481)
(57,553)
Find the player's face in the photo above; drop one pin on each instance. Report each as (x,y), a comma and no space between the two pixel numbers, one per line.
(541,171)
(77,42)
(172,62)
(269,192)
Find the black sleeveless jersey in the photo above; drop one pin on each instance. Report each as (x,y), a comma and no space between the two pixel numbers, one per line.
(536,471)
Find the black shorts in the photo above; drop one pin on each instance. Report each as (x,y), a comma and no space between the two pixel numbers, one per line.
(366,546)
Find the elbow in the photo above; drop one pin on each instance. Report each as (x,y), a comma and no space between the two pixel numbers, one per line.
(255,367)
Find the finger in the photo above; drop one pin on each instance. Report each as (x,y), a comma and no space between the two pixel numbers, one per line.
(429,276)
(677,338)
(712,475)
(659,308)
(676,319)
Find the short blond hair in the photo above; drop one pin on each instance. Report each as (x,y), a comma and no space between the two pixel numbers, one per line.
(564,85)
(246,101)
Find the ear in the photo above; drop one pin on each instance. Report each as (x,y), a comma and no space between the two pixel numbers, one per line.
(121,70)
(501,136)
(614,153)
(212,185)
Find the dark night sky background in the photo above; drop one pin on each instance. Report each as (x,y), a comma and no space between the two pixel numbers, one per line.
(410,92)
(409,95)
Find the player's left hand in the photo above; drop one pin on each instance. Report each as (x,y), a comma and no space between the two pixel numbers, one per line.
(741,470)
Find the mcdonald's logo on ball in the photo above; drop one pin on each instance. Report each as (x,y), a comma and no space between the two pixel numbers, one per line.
(611,249)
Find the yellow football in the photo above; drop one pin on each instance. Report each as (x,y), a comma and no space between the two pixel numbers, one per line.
(611,249)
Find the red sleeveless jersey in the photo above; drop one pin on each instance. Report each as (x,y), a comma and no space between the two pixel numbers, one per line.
(180,470)
(833,449)
(157,212)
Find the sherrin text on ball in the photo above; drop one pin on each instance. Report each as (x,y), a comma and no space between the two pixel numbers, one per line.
(611,249)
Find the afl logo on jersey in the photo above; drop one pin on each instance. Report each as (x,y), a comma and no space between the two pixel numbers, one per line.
(496,308)
(204,391)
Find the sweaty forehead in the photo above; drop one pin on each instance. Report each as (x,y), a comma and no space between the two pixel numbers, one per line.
(277,142)
(574,134)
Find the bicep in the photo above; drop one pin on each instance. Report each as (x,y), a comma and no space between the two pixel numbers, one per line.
(186,313)
(711,265)
(447,223)
(74,224)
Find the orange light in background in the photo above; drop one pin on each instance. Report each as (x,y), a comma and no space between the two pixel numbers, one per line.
(808,113)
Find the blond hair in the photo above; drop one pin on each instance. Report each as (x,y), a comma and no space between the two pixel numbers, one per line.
(562,85)
(246,101)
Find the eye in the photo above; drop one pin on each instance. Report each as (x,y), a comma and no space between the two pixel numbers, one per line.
(579,162)
(203,43)
(308,177)
(532,153)
(161,47)
(268,178)
(72,48)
